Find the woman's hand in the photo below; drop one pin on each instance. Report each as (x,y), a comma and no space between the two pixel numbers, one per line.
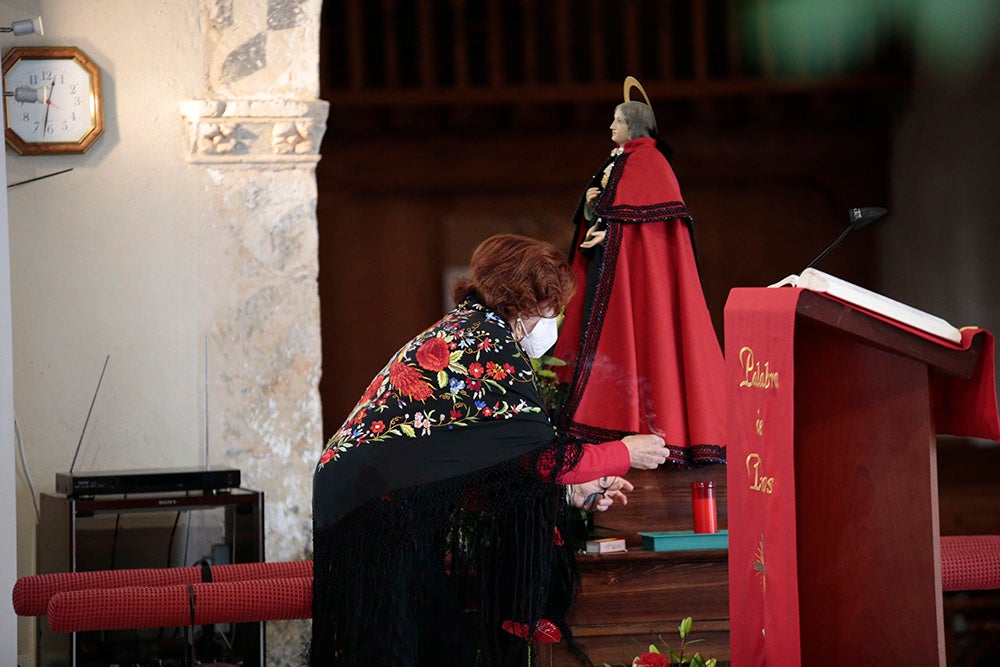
(646,451)
(600,494)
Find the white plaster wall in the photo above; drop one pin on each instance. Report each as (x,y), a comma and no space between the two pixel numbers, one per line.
(8,512)
(139,255)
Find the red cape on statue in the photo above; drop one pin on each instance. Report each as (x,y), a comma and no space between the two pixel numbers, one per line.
(642,354)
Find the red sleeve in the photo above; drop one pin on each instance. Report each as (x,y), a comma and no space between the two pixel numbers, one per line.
(607,458)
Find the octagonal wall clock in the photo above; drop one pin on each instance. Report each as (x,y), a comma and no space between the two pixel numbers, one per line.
(68,116)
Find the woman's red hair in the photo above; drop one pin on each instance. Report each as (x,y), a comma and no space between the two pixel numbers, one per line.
(517,275)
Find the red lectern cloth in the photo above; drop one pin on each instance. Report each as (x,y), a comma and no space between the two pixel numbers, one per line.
(965,407)
(764,623)
(182,605)
(968,407)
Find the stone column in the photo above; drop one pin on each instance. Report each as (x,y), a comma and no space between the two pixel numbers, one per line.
(257,133)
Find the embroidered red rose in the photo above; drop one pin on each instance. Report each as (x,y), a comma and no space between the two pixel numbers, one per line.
(476,369)
(372,388)
(327,456)
(408,381)
(434,355)
(652,660)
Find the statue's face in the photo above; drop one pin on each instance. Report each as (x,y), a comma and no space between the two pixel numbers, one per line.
(619,129)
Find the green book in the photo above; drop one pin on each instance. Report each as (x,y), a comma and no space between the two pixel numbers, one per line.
(684,540)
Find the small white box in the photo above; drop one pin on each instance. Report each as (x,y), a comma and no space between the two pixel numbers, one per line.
(606,545)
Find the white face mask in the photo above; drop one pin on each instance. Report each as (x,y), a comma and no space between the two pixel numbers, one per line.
(541,338)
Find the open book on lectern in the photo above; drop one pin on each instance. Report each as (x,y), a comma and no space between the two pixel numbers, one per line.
(817,281)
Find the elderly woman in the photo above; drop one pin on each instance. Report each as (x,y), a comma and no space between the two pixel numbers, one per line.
(440,504)
(642,354)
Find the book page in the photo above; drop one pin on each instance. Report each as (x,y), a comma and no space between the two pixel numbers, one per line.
(818,281)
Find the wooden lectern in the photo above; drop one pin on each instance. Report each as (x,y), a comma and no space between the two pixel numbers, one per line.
(833,510)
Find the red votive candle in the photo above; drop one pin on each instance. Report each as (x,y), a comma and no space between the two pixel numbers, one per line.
(703,504)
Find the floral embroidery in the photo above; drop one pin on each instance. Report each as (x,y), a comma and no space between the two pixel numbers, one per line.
(460,371)
(434,354)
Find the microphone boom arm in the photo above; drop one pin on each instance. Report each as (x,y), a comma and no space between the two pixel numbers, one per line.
(830,247)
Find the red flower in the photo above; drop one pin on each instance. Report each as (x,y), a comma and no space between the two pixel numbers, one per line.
(455,414)
(378,426)
(408,381)
(652,660)
(372,388)
(487,412)
(327,455)
(495,370)
(476,369)
(434,355)
(546,632)
(474,385)
(509,368)
(359,416)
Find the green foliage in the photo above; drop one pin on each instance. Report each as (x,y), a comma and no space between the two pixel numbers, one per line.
(553,392)
(679,657)
(696,660)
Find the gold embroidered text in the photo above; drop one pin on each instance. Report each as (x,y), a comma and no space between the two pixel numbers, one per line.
(761,378)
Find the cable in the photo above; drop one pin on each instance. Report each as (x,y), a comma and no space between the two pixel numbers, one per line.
(89,411)
(24,469)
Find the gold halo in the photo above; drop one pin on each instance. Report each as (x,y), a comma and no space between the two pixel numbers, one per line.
(632,82)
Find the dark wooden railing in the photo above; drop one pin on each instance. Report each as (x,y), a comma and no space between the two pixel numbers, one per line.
(400,53)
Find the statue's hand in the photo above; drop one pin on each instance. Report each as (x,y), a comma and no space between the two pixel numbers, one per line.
(593,237)
(591,196)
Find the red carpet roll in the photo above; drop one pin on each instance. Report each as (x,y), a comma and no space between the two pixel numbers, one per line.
(31,595)
(181,605)
(970,562)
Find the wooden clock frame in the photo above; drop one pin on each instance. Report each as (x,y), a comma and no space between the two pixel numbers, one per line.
(19,53)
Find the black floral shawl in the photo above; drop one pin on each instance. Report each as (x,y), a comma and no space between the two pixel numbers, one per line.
(432,523)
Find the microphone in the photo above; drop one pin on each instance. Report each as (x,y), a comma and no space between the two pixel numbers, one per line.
(857,218)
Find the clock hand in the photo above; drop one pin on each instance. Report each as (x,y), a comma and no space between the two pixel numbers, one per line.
(48,103)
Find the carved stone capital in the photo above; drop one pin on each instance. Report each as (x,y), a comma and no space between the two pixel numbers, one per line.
(246,132)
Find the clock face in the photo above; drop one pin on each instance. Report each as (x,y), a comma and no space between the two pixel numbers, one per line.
(66,114)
